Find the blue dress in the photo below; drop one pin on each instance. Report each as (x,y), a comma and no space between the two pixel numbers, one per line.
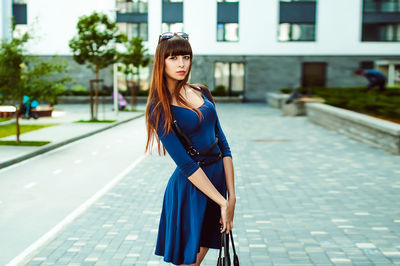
(189,219)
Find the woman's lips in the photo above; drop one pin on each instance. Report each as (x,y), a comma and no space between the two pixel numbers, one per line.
(180,72)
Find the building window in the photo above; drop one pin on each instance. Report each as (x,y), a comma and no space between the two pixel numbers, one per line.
(228,1)
(132,80)
(172,16)
(134,30)
(228,78)
(227,21)
(296,32)
(367,65)
(291,1)
(391,69)
(227,32)
(297,20)
(374,6)
(381,32)
(132,6)
(172,27)
(381,21)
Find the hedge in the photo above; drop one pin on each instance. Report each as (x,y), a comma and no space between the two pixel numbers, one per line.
(384,104)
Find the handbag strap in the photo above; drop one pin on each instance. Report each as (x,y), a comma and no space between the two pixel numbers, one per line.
(235,257)
(220,259)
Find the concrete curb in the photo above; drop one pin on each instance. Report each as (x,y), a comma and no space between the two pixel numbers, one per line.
(56,145)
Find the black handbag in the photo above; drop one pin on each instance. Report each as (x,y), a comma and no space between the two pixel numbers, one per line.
(224,258)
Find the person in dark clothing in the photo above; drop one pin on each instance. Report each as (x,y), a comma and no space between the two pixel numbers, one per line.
(375,78)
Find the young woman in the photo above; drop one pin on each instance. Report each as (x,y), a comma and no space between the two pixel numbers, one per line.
(195,210)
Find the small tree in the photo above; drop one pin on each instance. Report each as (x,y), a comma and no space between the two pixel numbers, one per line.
(135,57)
(95,45)
(24,75)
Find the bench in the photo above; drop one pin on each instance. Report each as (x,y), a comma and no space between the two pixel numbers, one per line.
(9,111)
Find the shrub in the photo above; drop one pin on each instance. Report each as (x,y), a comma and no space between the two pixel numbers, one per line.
(384,104)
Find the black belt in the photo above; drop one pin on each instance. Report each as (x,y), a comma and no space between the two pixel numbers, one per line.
(191,150)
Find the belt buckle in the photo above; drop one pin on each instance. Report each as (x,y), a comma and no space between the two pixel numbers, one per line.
(192,151)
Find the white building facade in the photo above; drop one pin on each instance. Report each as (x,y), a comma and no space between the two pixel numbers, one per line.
(241,46)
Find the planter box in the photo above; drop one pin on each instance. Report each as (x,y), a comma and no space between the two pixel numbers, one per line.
(298,106)
(276,100)
(373,131)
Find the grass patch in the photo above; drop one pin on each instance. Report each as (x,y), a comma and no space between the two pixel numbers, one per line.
(11,129)
(4,119)
(95,121)
(23,143)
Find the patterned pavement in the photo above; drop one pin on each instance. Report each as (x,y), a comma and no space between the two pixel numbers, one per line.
(306,196)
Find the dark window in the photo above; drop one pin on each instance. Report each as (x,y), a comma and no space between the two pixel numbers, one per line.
(19,12)
(314,74)
(381,6)
(381,21)
(229,78)
(367,65)
(172,12)
(381,32)
(297,21)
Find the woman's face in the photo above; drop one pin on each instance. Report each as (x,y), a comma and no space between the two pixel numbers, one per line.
(177,66)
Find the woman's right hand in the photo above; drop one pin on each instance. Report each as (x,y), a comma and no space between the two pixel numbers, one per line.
(226,219)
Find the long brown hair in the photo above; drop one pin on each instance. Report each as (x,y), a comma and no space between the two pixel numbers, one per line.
(160,98)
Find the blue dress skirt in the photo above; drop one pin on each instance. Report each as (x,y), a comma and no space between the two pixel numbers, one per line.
(189,219)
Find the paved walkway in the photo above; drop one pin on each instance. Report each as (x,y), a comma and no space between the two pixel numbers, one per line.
(65,115)
(306,196)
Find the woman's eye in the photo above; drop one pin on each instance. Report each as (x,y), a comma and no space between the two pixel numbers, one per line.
(186,57)
(172,57)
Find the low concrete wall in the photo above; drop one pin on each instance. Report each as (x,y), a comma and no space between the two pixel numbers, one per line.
(276,100)
(140,99)
(373,131)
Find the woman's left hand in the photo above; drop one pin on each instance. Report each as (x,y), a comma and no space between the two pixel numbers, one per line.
(230,214)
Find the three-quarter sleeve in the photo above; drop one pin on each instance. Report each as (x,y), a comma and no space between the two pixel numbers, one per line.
(222,142)
(177,152)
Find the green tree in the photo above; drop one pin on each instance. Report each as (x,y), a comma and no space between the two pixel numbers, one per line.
(132,60)
(96,45)
(21,75)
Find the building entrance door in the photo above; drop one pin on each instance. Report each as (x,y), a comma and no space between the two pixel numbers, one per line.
(314,75)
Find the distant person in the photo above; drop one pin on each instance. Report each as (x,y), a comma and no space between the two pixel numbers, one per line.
(293,96)
(375,78)
(122,103)
(27,105)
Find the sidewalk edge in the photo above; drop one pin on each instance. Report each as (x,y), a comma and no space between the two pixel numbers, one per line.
(62,143)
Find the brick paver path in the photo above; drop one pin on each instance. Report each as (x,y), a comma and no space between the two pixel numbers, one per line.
(306,196)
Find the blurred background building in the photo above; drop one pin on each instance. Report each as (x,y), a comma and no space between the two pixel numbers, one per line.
(247,46)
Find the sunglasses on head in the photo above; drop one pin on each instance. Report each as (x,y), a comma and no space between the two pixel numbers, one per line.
(169,35)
